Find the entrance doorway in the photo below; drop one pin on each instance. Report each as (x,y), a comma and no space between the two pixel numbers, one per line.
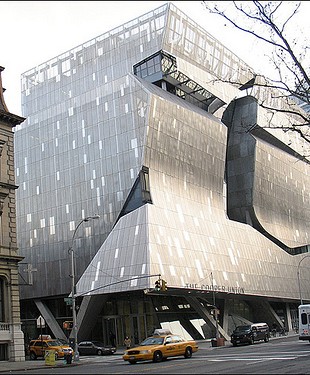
(136,331)
(112,328)
(132,325)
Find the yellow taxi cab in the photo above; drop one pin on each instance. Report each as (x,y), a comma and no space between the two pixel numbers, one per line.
(38,347)
(158,347)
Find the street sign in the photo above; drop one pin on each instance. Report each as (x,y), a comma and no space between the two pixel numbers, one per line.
(40,322)
(68,301)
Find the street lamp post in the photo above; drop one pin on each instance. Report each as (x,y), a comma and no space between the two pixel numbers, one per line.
(298,276)
(74,320)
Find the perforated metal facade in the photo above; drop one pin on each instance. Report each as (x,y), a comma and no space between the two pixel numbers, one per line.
(92,126)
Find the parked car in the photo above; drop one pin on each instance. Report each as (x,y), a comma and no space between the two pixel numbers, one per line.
(38,347)
(248,334)
(95,347)
(159,347)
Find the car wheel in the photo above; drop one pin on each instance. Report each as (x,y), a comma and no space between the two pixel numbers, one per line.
(188,352)
(99,352)
(266,339)
(132,362)
(33,355)
(157,357)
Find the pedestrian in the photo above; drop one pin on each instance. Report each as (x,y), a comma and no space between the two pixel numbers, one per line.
(127,342)
(274,329)
(112,338)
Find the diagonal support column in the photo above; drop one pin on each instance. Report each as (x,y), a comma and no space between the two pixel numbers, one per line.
(204,313)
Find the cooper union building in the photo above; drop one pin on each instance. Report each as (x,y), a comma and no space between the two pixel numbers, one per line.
(143,158)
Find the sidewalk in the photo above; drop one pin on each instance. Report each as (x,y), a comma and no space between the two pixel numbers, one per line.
(7,367)
(28,364)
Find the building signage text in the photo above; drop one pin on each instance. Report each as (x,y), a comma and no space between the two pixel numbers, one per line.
(216,288)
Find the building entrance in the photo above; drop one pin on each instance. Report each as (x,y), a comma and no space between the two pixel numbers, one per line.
(111,330)
(136,329)
(133,326)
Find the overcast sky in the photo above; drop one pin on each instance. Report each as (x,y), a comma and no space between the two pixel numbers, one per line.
(33,32)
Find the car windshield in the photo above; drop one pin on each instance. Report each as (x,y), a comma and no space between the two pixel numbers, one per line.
(54,343)
(62,341)
(242,328)
(152,341)
(98,343)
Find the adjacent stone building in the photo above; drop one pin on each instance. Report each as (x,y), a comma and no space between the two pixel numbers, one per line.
(11,335)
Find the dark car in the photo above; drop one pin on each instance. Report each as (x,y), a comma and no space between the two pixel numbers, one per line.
(95,347)
(248,334)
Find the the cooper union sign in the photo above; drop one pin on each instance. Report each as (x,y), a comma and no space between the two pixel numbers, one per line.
(216,288)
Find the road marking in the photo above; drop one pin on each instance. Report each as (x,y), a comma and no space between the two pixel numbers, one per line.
(250,359)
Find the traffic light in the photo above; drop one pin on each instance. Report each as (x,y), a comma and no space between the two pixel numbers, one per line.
(67,325)
(157,285)
(163,286)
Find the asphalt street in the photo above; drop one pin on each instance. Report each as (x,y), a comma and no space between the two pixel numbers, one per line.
(8,366)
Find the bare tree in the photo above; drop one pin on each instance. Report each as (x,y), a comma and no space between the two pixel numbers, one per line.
(272,23)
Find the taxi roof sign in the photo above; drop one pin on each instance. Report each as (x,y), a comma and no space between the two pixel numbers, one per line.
(162,331)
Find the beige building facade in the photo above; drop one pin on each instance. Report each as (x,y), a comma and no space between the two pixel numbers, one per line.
(11,335)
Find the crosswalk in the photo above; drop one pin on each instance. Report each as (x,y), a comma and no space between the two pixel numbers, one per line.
(207,356)
(210,358)
(254,357)
(105,359)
